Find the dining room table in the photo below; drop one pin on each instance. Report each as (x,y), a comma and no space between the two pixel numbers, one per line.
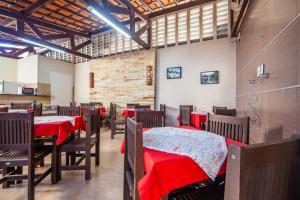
(57,129)
(198,119)
(166,172)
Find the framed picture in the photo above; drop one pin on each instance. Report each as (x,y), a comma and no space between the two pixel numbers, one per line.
(174,72)
(209,77)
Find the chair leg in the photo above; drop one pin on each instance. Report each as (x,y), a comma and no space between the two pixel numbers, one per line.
(59,164)
(97,150)
(7,170)
(73,158)
(67,159)
(126,191)
(54,176)
(19,172)
(31,176)
(88,164)
(113,129)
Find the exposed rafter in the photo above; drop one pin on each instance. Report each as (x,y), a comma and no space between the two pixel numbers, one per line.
(34,6)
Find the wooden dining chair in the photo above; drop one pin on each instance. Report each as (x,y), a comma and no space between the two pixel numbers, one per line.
(17,139)
(3,109)
(261,171)
(84,145)
(132,105)
(219,108)
(162,107)
(142,107)
(185,112)
(150,118)
(133,159)
(96,104)
(117,125)
(235,128)
(226,112)
(72,104)
(38,109)
(21,106)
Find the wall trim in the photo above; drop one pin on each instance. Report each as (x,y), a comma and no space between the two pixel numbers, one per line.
(272,90)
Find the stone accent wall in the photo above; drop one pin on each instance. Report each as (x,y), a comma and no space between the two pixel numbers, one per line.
(122,78)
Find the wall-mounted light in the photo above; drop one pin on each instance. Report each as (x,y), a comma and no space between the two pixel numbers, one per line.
(91,79)
(149,75)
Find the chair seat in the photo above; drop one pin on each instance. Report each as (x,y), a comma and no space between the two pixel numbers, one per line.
(19,158)
(211,192)
(77,144)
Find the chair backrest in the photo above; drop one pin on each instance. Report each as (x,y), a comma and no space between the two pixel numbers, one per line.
(92,123)
(21,106)
(234,128)
(219,108)
(264,171)
(72,104)
(38,109)
(185,112)
(132,105)
(16,131)
(150,118)
(227,112)
(68,111)
(3,109)
(134,152)
(96,104)
(163,107)
(142,107)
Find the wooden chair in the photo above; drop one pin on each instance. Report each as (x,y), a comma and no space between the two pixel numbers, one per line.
(20,150)
(68,111)
(142,107)
(150,118)
(219,108)
(264,171)
(133,159)
(73,104)
(235,128)
(84,145)
(21,106)
(226,112)
(185,112)
(96,104)
(38,109)
(117,125)
(132,105)
(3,109)
(162,107)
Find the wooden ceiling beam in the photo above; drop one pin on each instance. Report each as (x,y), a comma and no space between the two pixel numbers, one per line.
(42,42)
(161,4)
(136,11)
(146,5)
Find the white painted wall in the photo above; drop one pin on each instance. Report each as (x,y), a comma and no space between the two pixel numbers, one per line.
(28,69)
(195,58)
(8,69)
(81,82)
(61,94)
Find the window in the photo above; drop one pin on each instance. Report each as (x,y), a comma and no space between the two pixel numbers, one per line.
(182,27)
(207,22)
(144,36)
(106,43)
(161,31)
(171,23)
(195,24)
(134,45)
(119,43)
(113,43)
(222,18)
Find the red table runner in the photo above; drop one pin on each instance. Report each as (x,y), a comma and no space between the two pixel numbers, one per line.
(128,112)
(197,120)
(166,172)
(60,129)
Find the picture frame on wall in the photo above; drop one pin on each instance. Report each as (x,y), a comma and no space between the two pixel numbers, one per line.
(209,77)
(174,72)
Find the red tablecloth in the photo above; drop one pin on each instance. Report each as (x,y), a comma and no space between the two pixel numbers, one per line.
(60,129)
(197,119)
(128,112)
(102,111)
(166,172)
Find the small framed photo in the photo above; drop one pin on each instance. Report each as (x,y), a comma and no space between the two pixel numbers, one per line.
(174,72)
(209,77)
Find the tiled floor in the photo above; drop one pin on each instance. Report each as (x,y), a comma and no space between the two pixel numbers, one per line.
(106,182)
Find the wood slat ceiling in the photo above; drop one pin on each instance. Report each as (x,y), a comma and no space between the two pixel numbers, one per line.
(73,14)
